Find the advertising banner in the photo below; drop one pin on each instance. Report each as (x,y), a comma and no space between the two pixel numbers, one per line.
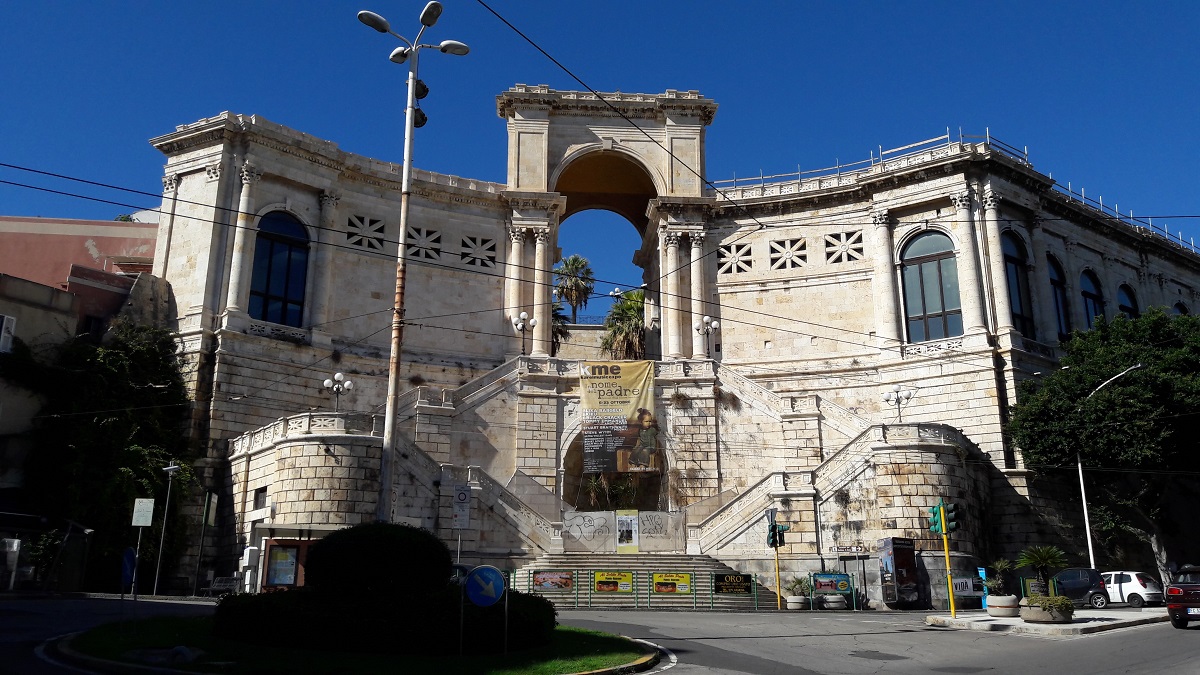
(831,583)
(733,583)
(627,531)
(672,582)
(620,432)
(613,582)
(553,581)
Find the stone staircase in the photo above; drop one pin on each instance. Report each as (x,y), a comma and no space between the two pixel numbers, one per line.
(642,566)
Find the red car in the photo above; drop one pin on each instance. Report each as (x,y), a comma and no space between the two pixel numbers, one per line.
(1183,596)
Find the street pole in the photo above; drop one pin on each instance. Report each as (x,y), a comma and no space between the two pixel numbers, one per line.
(778,591)
(166,511)
(946,548)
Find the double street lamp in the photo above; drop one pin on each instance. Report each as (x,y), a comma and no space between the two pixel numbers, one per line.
(706,328)
(898,396)
(413,118)
(524,323)
(339,385)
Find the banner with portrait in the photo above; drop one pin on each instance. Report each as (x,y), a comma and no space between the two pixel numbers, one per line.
(620,431)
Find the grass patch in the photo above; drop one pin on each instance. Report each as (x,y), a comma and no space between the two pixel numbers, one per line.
(571,650)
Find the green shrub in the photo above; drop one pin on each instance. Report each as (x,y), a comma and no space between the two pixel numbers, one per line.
(376,559)
(1059,604)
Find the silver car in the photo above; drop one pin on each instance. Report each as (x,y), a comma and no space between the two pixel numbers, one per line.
(1135,588)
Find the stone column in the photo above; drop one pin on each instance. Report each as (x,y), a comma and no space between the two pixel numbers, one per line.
(514,273)
(1001,301)
(887,309)
(541,295)
(968,265)
(697,269)
(323,260)
(166,224)
(1039,279)
(671,315)
(243,243)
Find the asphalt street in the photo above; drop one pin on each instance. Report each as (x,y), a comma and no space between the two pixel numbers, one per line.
(886,642)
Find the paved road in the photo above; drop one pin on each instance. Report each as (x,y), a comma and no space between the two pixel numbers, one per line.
(886,642)
(26,623)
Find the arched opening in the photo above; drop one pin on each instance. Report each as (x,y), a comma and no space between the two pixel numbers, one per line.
(607,180)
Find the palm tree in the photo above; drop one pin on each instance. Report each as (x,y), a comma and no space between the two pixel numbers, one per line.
(1042,559)
(574,282)
(625,327)
(558,328)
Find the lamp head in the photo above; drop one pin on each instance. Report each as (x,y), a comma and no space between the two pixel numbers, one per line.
(374,21)
(171,469)
(454,47)
(533,323)
(349,385)
(430,14)
(399,55)
(328,383)
(715,325)
(339,377)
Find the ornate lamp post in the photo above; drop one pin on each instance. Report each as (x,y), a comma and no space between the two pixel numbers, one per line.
(166,510)
(706,327)
(898,396)
(338,385)
(413,118)
(523,323)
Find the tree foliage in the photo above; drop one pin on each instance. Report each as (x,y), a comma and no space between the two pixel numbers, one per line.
(574,282)
(625,327)
(112,417)
(1133,434)
(559,333)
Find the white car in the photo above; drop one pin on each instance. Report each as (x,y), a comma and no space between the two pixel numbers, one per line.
(1135,588)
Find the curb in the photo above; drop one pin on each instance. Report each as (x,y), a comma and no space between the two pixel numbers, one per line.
(641,665)
(1041,629)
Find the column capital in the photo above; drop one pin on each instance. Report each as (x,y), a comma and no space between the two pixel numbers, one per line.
(671,238)
(990,199)
(696,238)
(170,182)
(542,236)
(961,200)
(1036,222)
(516,234)
(329,199)
(690,211)
(881,217)
(249,173)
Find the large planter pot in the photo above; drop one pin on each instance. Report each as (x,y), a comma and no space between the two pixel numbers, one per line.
(1035,614)
(1003,606)
(797,602)
(833,601)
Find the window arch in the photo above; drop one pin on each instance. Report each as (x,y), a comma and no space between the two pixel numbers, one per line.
(1180,309)
(930,278)
(1093,298)
(280,270)
(1058,288)
(1016,274)
(1127,302)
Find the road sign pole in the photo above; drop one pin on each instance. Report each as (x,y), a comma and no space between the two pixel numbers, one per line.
(137,558)
(946,548)
(778,593)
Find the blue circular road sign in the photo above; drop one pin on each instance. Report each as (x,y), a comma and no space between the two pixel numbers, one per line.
(485,585)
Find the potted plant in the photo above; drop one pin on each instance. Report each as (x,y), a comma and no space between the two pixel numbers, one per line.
(799,590)
(1047,609)
(999,602)
(1042,559)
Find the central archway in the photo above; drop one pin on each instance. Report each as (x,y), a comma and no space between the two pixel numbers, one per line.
(609,180)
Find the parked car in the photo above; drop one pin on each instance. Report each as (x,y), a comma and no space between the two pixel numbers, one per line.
(1183,596)
(1084,586)
(1136,588)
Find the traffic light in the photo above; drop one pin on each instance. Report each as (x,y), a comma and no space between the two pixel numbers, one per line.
(935,518)
(779,530)
(772,536)
(951,517)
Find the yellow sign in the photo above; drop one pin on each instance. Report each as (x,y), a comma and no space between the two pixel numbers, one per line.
(613,582)
(620,432)
(671,582)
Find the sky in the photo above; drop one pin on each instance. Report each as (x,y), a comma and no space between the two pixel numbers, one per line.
(1103,94)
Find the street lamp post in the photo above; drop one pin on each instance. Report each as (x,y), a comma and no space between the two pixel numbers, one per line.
(898,396)
(166,511)
(706,327)
(338,385)
(413,118)
(523,323)
(1087,525)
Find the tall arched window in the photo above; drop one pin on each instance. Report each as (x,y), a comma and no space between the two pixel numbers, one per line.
(1017,276)
(280,270)
(1127,302)
(1058,288)
(1093,299)
(931,288)
(1180,308)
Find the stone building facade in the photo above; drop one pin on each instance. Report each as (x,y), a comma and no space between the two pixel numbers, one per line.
(947,270)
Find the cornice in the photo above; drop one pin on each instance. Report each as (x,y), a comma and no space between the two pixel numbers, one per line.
(606,104)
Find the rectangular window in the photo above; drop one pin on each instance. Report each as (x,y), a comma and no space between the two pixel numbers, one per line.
(260,498)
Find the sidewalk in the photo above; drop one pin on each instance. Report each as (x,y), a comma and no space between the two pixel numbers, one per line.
(1085,621)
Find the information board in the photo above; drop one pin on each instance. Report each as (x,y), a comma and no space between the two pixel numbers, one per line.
(547,580)
(612,582)
(738,584)
(671,582)
(143,512)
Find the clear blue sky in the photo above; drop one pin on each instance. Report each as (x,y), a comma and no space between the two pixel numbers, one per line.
(1105,94)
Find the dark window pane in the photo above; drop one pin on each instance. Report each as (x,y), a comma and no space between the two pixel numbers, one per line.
(933,290)
(937,329)
(928,243)
(916,331)
(298,270)
(262,256)
(256,306)
(912,290)
(949,269)
(274,311)
(954,324)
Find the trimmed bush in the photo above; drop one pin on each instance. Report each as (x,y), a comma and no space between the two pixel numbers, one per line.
(376,559)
